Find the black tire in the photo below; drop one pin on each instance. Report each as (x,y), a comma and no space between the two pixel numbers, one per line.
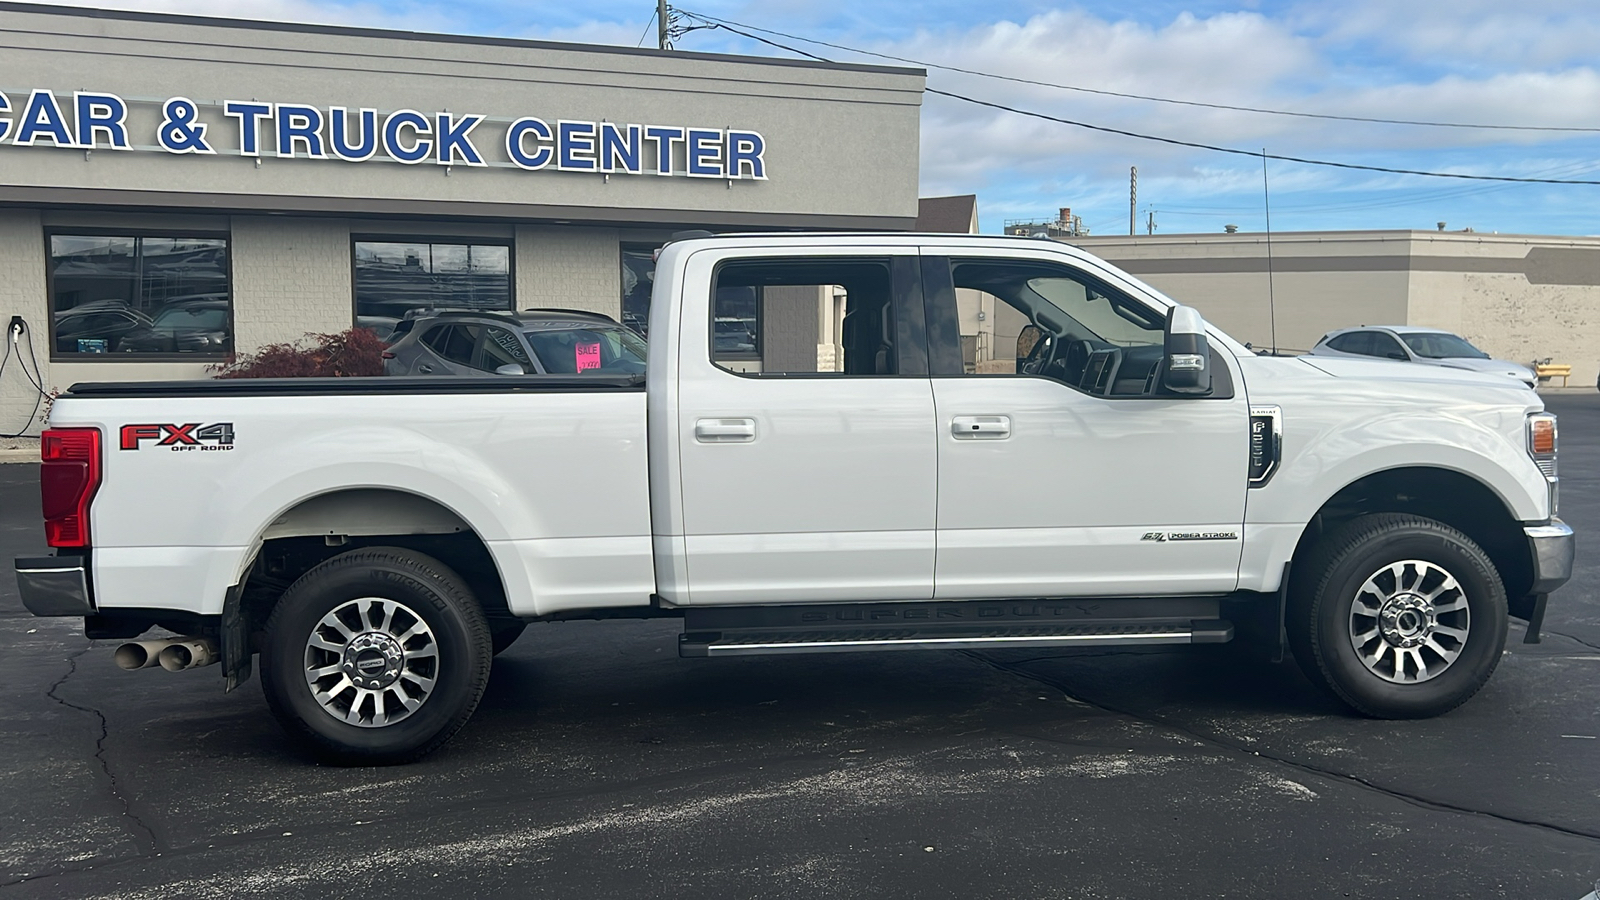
(411,587)
(1323,632)
(505,634)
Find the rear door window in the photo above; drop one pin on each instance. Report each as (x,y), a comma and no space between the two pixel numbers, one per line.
(454,342)
(500,347)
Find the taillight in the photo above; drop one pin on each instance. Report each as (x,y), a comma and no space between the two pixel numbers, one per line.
(68,479)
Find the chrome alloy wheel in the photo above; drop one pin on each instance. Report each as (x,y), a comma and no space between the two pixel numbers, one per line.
(1409,621)
(371,662)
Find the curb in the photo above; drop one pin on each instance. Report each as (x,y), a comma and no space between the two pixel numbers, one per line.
(20,455)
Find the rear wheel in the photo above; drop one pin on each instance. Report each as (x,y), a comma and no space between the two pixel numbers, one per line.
(1398,616)
(376,656)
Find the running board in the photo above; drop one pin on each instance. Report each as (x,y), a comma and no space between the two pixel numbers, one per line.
(756,642)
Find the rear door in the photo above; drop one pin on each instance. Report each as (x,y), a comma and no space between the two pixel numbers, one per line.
(808,463)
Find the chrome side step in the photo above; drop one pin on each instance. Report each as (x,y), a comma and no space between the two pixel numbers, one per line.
(757,642)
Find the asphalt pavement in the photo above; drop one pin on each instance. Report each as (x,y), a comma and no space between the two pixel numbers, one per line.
(601,764)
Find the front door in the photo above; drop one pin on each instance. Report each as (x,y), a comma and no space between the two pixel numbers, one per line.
(805,430)
(1063,469)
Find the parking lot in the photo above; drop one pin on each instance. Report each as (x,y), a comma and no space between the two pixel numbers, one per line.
(601,764)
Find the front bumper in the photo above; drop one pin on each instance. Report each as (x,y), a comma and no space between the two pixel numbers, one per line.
(1552,548)
(55,585)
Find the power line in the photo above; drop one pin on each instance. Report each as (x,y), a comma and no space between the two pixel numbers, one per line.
(1127,96)
(1175,141)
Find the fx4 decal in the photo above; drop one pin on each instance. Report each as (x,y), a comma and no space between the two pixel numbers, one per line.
(193,436)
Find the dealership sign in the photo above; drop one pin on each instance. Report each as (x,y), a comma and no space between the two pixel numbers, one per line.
(291,130)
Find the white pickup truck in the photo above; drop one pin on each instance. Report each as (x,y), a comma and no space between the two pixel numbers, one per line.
(816,460)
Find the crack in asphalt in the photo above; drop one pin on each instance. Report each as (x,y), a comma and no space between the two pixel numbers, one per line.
(1573,638)
(143,836)
(1244,751)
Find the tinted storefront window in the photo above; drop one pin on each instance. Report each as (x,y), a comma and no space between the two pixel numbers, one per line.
(139,295)
(395,277)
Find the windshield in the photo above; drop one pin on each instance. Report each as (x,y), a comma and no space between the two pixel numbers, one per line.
(1441,346)
(572,351)
(204,318)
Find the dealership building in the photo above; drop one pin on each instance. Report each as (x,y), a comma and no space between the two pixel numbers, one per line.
(175,190)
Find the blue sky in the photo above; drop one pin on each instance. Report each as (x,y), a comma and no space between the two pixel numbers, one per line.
(1533,62)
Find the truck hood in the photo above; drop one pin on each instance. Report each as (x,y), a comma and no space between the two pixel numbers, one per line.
(1409,372)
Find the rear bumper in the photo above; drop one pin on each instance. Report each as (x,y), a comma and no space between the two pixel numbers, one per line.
(55,585)
(1552,549)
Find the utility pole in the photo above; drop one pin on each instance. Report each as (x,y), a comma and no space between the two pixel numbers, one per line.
(1152,222)
(1133,197)
(662,31)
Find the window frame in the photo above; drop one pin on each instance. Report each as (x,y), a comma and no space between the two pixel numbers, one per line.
(460,240)
(943,316)
(906,305)
(201,234)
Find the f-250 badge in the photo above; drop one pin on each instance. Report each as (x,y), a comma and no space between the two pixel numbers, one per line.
(194,436)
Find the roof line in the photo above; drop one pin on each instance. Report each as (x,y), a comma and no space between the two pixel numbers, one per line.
(87,12)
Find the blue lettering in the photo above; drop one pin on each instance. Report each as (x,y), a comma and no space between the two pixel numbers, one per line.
(249,116)
(102,113)
(514,149)
(664,138)
(744,151)
(42,118)
(456,138)
(5,123)
(339,134)
(300,123)
(181,130)
(573,138)
(419,149)
(705,153)
(619,148)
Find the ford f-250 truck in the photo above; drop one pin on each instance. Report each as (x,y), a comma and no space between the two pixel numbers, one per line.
(1097,467)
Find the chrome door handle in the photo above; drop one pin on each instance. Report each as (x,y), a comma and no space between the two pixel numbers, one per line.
(424,368)
(724,431)
(980,428)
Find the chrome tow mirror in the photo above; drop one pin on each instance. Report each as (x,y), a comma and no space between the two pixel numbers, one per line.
(1186,362)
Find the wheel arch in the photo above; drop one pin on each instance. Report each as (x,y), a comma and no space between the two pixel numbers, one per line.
(1446,495)
(323,525)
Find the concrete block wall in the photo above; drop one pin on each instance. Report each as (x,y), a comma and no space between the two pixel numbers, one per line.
(22,293)
(291,277)
(569,267)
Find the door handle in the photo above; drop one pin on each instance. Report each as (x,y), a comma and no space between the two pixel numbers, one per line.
(424,368)
(980,428)
(724,431)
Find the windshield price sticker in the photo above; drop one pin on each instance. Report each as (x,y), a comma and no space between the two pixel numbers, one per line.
(588,356)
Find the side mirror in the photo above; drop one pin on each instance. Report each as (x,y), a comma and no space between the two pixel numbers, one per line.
(1186,361)
(510,369)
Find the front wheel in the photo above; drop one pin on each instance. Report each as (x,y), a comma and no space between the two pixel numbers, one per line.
(1399,616)
(376,656)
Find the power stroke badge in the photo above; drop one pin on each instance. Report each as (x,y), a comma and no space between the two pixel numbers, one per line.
(1163,537)
(191,437)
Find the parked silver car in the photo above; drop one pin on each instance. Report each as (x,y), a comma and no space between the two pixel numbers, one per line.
(531,342)
(1407,343)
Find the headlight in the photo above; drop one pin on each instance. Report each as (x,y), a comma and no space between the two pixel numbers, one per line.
(1542,446)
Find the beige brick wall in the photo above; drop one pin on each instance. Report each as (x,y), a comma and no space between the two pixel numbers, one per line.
(569,268)
(22,293)
(291,277)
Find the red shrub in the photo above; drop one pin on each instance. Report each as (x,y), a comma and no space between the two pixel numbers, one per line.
(355,352)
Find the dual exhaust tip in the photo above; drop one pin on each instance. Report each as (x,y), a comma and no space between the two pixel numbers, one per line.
(173,654)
